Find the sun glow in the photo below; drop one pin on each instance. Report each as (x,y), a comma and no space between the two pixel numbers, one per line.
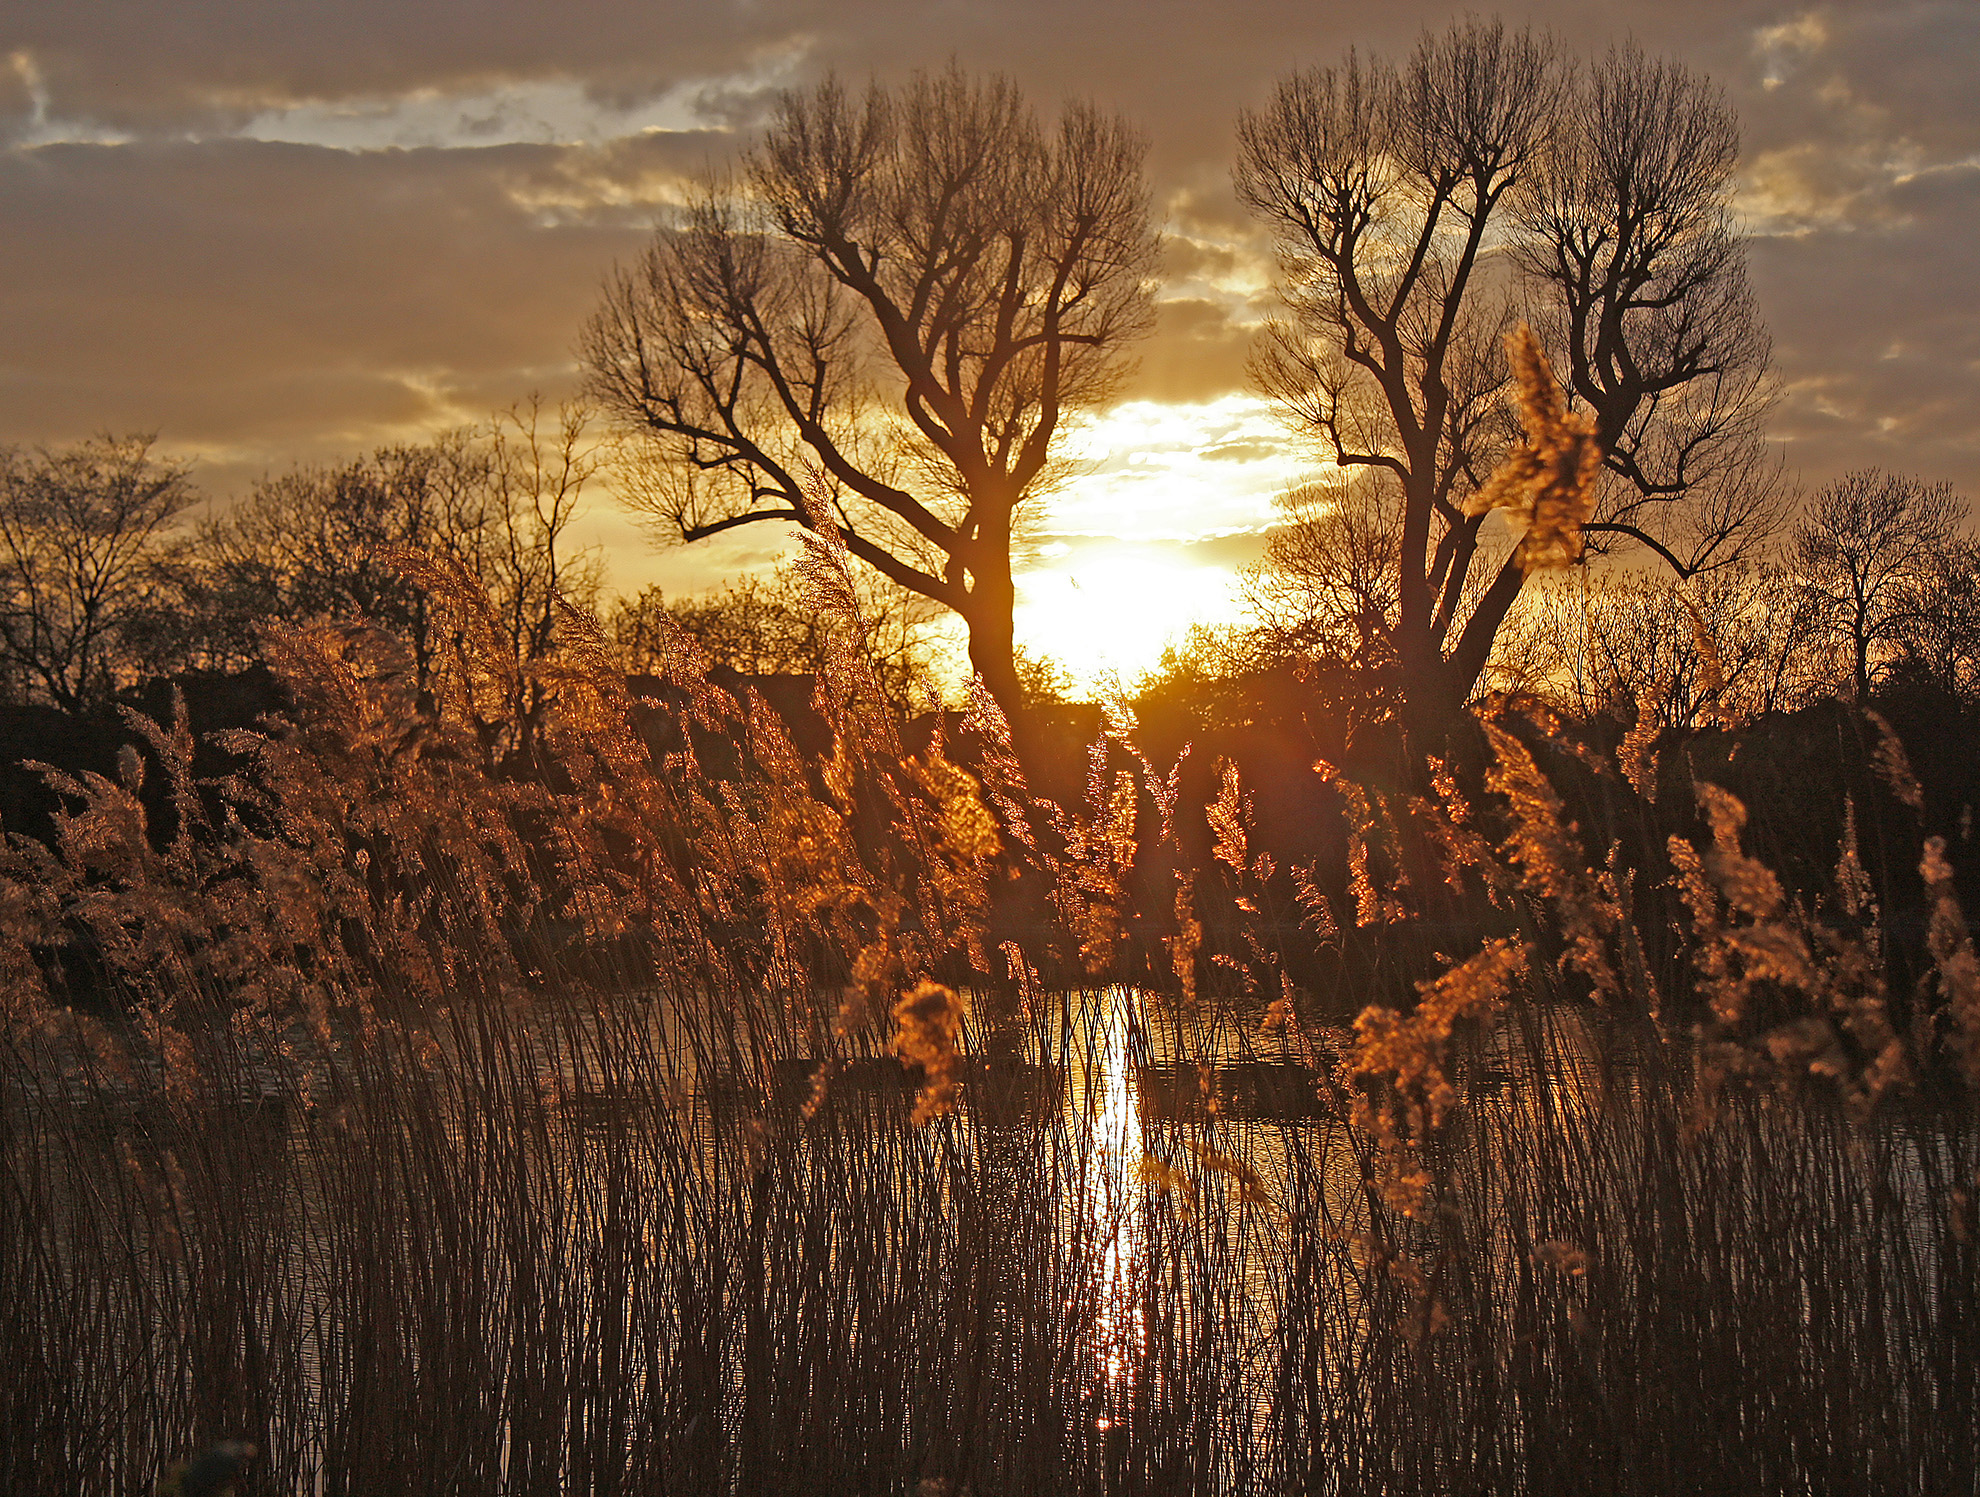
(1168,501)
(1107,611)
(1148,470)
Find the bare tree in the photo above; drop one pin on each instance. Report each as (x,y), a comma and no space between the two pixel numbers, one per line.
(318,543)
(1327,584)
(1639,280)
(523,563)
(506,581)
(1727,646)
(765,626)
(1867,554)
(883,326)
(1413,208)
(1383,186)
(1940,647)
(80,530)
(309,544)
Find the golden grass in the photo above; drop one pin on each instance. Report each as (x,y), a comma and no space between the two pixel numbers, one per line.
(442,1106)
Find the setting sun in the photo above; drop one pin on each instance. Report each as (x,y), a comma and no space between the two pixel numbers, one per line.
(1169,501)
(1109,611)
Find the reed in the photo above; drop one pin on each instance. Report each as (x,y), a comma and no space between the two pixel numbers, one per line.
(678,1121)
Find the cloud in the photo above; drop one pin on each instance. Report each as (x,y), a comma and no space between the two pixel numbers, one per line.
(540,111)
(1881,367)
(1198,353)
(214,66)
(1784,46)
(223,289)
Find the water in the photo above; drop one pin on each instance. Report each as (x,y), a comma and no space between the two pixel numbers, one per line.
(525,1251)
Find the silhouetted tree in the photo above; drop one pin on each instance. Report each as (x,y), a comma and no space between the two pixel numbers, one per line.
(883,326)
(80,530)
(320,544)
(763,626)
(309,545)
(1637,281)
(1877,555)
(1327,586)
(1940,647)
(1727,646)
(1420,212)
(457,548)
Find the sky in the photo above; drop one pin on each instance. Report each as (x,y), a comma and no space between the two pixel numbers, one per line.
(281,233)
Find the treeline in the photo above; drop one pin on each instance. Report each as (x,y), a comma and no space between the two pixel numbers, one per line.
(114,571)
(448,567)
(108,579)
(1871,590)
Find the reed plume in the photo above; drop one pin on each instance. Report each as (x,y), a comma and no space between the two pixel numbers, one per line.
(1548,481)
(927,1022)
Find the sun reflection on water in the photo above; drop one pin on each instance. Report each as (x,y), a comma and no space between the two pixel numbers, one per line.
(1112,1202)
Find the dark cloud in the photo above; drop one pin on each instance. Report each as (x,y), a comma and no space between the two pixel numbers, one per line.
(1197,352)
(201,64)
(1186,259)
(1877,333)
(1183,66)
(234,291)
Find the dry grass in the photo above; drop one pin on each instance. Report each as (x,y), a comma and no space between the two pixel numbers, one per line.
(679,1125)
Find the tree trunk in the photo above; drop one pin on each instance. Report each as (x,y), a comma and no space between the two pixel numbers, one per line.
(1474,647)
(992,655)
(1434,687)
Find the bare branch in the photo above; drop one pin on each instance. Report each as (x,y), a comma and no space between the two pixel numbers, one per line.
(905,292)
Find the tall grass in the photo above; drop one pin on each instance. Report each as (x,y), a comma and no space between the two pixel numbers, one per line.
(684,1123)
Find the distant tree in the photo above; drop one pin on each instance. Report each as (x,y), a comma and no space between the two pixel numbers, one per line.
(1421,211)
(767,626)
(1725,647)
(80,533)
(1940,647)
(1042,681)
(458,548)
(884,326)
(310,545)
(524,564)
(508,581)
(1878,556)
(1327,586)
(1222,652)
(1220,677)
(318,543)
